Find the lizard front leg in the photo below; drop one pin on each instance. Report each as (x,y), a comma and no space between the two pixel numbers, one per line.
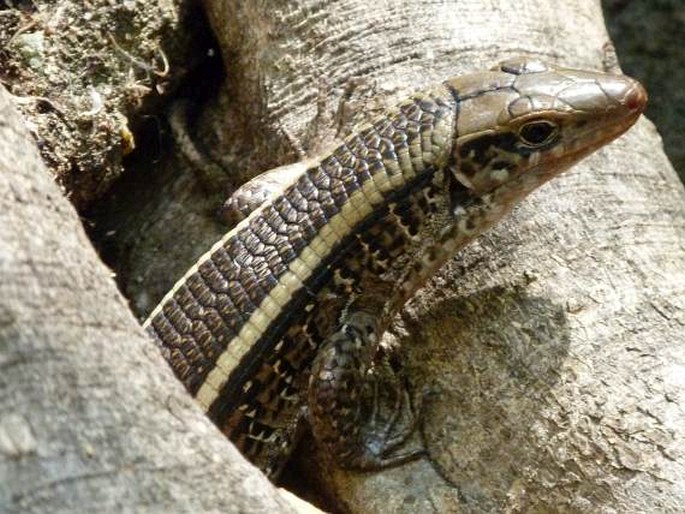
(343,399)
(254,193)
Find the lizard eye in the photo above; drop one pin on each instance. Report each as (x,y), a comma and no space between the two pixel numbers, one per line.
(538,133)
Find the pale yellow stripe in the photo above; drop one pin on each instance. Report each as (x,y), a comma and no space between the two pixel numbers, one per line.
(280,295)
(261,320)
(321,249)
(360,204)
(328,237)
(354,211)
(206,395)
(203,258)
(270,307)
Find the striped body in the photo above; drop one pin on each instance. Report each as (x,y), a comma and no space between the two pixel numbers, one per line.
(358,231)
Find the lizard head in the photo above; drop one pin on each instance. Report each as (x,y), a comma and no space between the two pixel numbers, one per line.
(525,121)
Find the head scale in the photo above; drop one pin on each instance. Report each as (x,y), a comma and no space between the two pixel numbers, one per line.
(525,122)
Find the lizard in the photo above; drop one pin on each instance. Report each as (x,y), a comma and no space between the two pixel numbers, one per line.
(280,321)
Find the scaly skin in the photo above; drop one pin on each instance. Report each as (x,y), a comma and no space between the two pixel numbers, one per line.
(281,319)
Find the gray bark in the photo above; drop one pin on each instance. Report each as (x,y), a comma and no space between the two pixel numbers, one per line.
(551,349)
(91,418)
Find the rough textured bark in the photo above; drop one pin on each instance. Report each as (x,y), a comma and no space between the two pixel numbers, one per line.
(87,75)
(91,419)
(551,349)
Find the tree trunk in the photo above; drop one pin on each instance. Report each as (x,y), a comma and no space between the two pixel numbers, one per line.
(550,349)
(91,419)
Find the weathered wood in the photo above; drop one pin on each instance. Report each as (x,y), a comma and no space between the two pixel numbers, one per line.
(91,419)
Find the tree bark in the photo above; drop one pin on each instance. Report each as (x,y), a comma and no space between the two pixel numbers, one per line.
(551,349)
(91,418)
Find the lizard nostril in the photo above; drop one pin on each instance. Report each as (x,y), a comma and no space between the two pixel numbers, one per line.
(636,98)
